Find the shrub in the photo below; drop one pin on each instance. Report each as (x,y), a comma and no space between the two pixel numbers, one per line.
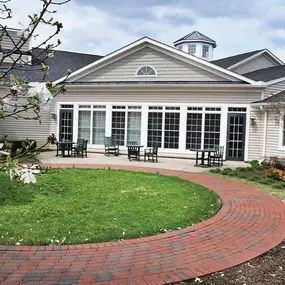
(274,162)
(215,170)
(254,178)
(241,169)
(226,171)
(274,173)
(266,181)
(241,175)
(278,185)
(249,168)
(232,173)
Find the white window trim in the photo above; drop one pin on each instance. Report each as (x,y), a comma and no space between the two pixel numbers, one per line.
(195,49)
(146,65)
(208,51)
(281,124)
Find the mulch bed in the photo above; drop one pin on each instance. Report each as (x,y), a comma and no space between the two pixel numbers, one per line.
(267,269)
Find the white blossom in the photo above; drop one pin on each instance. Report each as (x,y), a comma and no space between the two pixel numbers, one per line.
(15,89)
(25,31)
(27,174)
(41,90)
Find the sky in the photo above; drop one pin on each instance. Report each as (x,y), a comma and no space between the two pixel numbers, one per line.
(102,26)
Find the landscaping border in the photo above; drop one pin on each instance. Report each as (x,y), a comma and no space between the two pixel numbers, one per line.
(248,224)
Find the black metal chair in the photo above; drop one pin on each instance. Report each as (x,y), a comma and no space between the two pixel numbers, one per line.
(151,153)
(111,146)
(80,149)
(133,151)
(217,159)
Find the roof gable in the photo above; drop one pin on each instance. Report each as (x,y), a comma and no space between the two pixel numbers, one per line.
(235,61)
(171,51)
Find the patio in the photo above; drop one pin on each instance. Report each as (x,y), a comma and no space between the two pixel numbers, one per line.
(122,160)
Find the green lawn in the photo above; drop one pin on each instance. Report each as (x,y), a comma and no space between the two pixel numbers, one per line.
(85,205)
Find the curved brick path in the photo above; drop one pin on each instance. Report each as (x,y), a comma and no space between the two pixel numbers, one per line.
(249,223)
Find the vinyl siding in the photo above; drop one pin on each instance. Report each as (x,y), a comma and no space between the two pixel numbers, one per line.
(167,68)
(22,129)
(273,135)
(256,135)
(7,44)
(158,95)
(274,89)
(257,63)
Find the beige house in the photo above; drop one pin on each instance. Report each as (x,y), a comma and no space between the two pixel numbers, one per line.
(177,97)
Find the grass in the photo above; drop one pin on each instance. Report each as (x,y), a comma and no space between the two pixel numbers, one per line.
(85,205)
(276,192)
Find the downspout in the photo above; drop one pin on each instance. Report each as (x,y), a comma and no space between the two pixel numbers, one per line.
(264,131)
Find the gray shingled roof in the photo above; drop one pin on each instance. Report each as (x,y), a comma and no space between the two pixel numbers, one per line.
(277,98)
(231,60)
(267,74)
(196,36)
(58,65)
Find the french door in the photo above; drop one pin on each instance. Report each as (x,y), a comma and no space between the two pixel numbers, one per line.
(65,125)
(236,136)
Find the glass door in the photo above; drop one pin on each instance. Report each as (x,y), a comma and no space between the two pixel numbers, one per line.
(66,125)
(236,136)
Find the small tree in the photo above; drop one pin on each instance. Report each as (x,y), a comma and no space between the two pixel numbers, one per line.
(22,99)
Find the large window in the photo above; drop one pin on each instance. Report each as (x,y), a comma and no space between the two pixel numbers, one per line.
(171,130)
(212,130)
(126,124)
(118,126)
(194,130)
(203,127)
(192,49)
(154,130)
(91,123)
(99,124)
(205,51)
(134,127)
(84,121)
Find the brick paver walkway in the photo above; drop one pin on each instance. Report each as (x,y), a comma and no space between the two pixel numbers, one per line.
(249,223)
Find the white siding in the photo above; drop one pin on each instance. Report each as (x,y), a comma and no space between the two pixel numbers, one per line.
(23,129)
(257,63)
(274,89)
(256,133)
(167,67)
(7,44)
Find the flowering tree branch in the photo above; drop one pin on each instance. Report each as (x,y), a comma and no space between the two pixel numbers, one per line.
(22,99)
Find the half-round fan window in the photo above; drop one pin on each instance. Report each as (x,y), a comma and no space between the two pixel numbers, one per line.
(146,71)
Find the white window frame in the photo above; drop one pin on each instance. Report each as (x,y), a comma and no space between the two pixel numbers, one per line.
(146,75)
(208,52)
(191,46)
(281,122)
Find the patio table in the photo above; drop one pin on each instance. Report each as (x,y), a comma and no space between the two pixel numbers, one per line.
(64,146)
(130,149)
(202,158)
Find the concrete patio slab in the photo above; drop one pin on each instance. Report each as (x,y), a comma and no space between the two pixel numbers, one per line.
(163,163)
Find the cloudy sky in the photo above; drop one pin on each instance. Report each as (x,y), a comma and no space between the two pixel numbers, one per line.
(101,26)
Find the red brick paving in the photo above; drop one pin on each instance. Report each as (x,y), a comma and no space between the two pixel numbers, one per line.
(249,223)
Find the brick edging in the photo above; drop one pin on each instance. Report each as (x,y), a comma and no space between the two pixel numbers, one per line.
(248,224)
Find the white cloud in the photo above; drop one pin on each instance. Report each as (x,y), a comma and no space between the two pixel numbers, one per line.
(92,30)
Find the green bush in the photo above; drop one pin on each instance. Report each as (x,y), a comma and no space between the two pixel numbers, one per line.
(215,170)
(241,169)
(249,168)
(227,169)
(266,181)
(241,175)
(278,185)
(254,178)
